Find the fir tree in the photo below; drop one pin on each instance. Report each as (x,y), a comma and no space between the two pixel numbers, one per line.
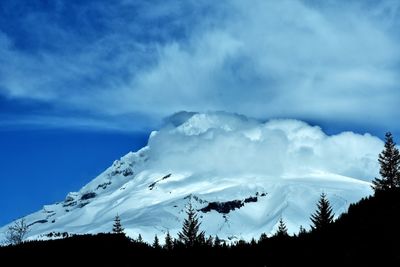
(190,234)
(201,240)
(217,242)
(263,238)
(282,229)
(302,231)
(140,239)
(156,243)
(323,216)
(209,241)
(169,243)
(117,227)
(389,160)
(240,244)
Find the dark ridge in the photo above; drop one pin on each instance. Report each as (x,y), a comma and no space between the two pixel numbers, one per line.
(69,204)
(223,207)
(83,204)
(128,171)
(88,195)
(166,176)
(38,221)
(58,234)
(48,211)
(115,172)
(228,206)
(103,185)
(152,185)
(69,199)
(250,199)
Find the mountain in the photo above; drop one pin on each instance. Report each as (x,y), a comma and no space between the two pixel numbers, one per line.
(242,175)
(370,225)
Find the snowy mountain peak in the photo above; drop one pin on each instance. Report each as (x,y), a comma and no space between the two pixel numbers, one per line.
(241,175)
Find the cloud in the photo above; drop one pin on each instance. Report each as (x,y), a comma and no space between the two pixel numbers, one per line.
(226,144)
(304,59)
(130,124)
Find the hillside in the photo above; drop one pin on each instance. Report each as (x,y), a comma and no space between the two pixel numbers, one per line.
(367,235)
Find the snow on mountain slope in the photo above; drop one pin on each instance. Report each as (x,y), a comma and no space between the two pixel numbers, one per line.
(240,174)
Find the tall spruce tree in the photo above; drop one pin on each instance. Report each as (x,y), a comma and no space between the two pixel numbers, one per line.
(190,234)
(323,216)
(389,160)
(117,227)
(217,242)
(156,243)
(263,238)
(209,242)
(282,229)
(302,231)
(169,243)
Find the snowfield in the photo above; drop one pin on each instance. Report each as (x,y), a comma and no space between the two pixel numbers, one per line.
(241,175)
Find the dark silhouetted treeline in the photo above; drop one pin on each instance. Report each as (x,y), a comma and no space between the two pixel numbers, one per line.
(367,235)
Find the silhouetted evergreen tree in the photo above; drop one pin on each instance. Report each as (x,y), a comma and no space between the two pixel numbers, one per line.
(349,237)
(389,160)
(209,241)
(241,243)
(140,239)
(169,243)
(282,229)
(190,234)
(302,231)
(117,227)
(201,240)
(323,216)
(217,242)
(156,243)
(263,238)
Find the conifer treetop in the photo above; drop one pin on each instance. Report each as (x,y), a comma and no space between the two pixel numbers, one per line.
(323,216)
(389,161)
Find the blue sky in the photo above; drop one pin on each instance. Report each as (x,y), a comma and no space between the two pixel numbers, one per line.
(83,82)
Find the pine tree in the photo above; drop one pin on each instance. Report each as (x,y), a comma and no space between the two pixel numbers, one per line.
(140,239)
(117,227)
(169,243)
(302,231)
(389,160)
(323,216)
(190,234)
(209,241)
(282,229)
(156,243)
(263,238)
(217,242)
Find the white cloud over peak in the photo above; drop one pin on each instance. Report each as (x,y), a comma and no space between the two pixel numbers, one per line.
(223,143)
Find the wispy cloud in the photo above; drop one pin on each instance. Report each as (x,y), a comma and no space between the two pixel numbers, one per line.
(305,59)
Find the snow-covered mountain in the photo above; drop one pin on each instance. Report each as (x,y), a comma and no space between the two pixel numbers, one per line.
(241,175)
